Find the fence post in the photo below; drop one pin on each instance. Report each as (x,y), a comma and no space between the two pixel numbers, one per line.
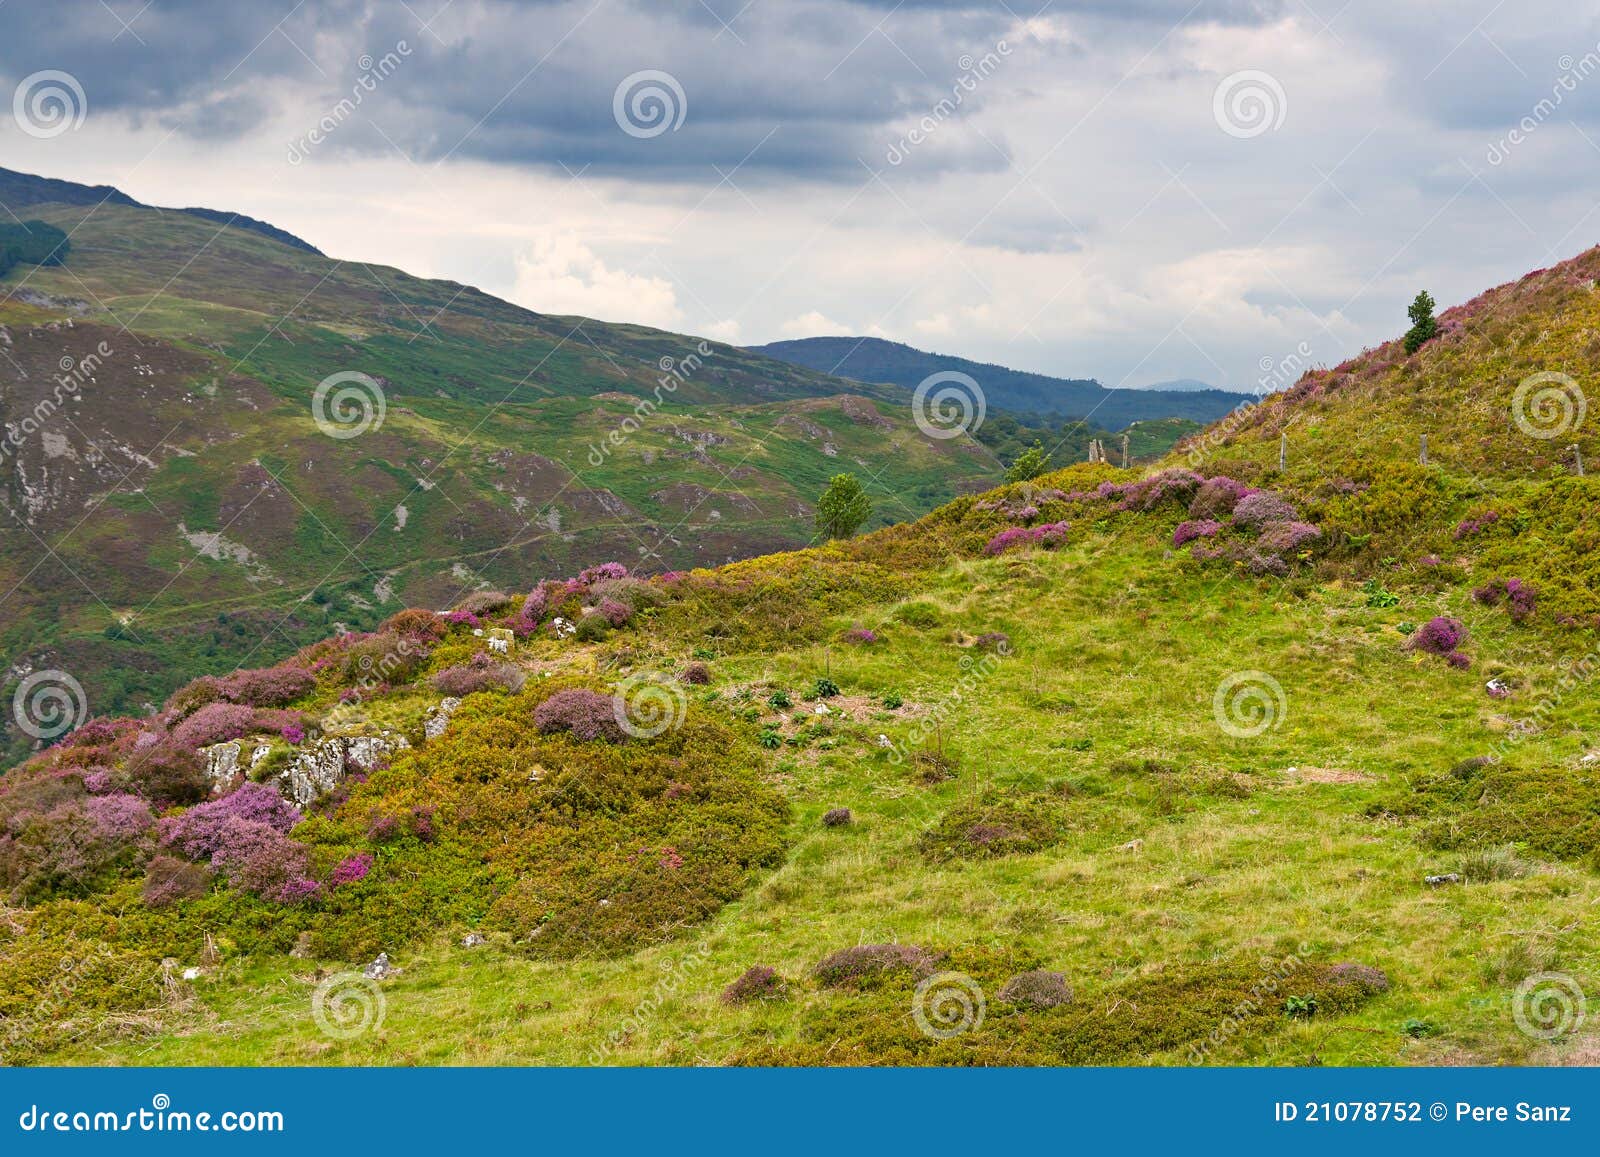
(1424,449)
(1283,451)
(1124,451)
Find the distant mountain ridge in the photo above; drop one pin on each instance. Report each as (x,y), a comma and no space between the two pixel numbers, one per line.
(22,189)
(868,359)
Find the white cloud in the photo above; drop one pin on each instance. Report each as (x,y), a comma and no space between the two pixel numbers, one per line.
(727,331)
(813,324)
(559,274)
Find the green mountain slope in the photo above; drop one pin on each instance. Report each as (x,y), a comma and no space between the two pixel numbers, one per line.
(1222,765)
(174,505)
(867,359)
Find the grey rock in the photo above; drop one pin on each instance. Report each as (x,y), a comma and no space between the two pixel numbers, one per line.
(439,717)
(380,969)
(1439,881)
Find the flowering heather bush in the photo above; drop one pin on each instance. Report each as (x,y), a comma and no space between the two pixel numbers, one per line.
(214,723)
(866,964)
(997,641)
(1178,484)
(462,619)
(260,859)
(1036,989)
(1439,636)
(351,870)
(1286,538)
(606,570)
(1258,509)
(97,732)
(1193,529)
(586,714)
(535,605)
(1518,596)
(267,687)
(484,602)
(1050,534)
(168,879)
(1458,660)
(198,832)
(167,774)
(119,818)
(614,612)
(838,817)
(697,674)
(97,780)
(293,733)
(467,678)
(756,983)
(1217,497)
(864,636)
(1471,526)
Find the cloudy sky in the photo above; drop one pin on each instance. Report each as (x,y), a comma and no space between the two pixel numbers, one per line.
(1133,190)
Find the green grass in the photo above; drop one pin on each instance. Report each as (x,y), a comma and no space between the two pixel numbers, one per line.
(1180,847)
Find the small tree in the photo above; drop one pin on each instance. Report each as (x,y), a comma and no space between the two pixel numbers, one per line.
(1423,326)
(843,507)
(1029,464)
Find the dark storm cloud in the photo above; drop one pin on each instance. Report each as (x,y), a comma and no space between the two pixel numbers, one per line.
(813,88)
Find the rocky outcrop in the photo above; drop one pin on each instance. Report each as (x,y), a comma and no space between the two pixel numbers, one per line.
(439,717)
(222,760)
(322,766)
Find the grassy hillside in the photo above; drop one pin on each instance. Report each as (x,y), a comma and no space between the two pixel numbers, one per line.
(174,505)
(1222,764)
